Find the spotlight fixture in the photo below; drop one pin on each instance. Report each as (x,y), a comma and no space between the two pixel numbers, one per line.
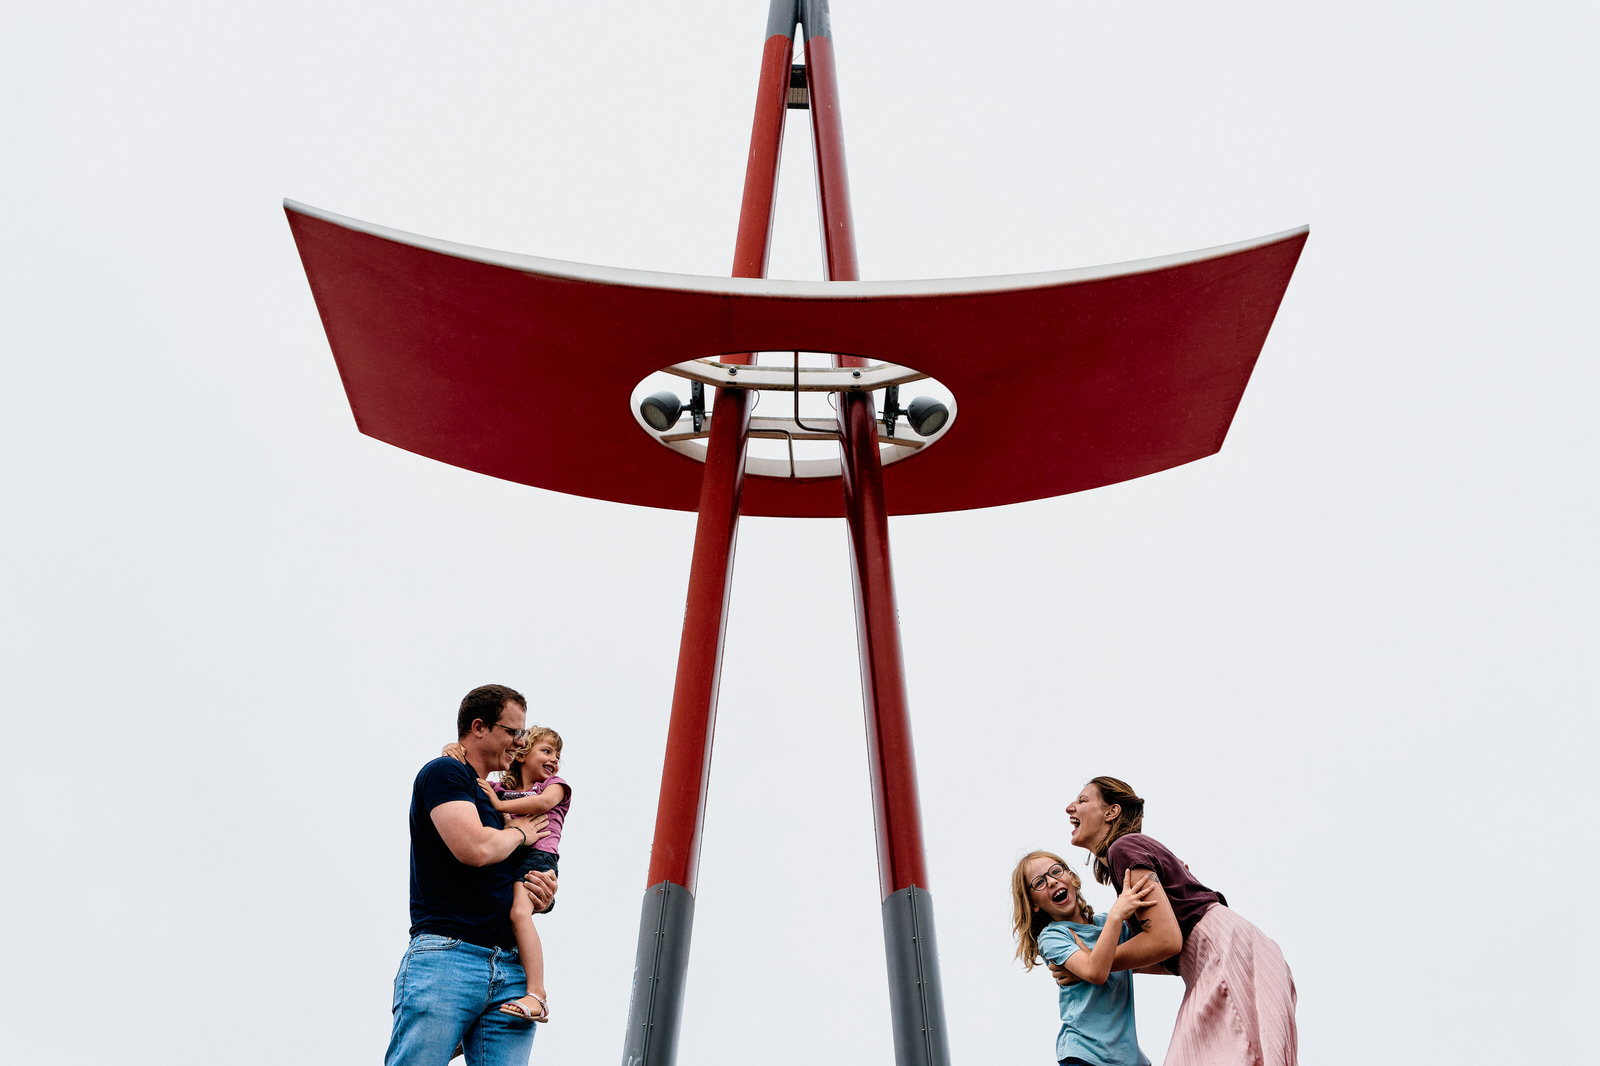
(925,415)
(663,409)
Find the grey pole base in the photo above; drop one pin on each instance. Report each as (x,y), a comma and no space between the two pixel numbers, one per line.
(916,996)
(655,1006)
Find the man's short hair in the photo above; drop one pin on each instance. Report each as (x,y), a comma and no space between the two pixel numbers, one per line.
(484,704)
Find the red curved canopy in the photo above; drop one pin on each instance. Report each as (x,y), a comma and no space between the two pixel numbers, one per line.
(1065,380)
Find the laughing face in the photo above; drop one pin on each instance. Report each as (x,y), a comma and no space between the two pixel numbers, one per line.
(542,761)
(1090,817)
(502,736)
(1052,889)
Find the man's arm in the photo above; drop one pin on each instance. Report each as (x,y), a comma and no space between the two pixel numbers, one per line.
(475,844)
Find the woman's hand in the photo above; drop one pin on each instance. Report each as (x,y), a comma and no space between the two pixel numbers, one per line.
(1064,976)
(1135,897)
(1096,964)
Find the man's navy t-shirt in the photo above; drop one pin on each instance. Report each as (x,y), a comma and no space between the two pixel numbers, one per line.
(448,897)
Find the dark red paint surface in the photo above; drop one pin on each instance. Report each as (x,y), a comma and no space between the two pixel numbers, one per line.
(891,758)
(1060,388)
(680,811)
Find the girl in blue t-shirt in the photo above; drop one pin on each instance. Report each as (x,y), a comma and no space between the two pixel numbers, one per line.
(1052,920)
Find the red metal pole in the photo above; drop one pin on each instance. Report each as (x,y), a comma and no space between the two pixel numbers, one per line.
(894,778)
(915,996)
(667,921)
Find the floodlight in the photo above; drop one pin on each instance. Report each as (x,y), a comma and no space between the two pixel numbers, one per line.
(927,415)
(661,410)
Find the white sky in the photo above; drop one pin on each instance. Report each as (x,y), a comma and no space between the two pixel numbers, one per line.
(1349,660)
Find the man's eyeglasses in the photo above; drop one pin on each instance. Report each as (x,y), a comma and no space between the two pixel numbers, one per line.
(517,735)
(1057,871)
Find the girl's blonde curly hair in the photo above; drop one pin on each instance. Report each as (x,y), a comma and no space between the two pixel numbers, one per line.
(511,780)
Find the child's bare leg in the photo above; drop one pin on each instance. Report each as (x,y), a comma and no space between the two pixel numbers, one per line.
(531,952)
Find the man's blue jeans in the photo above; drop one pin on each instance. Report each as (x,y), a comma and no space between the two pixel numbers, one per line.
(446,993)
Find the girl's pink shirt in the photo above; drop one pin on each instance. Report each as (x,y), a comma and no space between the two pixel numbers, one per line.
(555,815)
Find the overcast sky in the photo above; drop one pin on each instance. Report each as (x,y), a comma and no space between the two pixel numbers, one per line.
(1349,661)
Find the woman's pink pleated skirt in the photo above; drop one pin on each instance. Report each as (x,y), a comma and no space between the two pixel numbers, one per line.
(1238,998)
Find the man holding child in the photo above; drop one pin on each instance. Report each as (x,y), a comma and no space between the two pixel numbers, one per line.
(462,962)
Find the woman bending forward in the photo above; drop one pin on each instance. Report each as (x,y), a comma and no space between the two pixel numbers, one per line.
(1238,994)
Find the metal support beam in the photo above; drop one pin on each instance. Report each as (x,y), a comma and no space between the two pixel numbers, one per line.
(656,1002)
(662,958)
(915,996)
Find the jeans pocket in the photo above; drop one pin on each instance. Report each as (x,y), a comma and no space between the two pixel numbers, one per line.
(431,942)
(429,960)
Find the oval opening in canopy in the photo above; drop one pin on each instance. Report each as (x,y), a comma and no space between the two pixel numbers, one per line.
(786,443)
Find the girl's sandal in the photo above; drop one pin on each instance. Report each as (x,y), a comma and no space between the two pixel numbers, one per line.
(517,1009)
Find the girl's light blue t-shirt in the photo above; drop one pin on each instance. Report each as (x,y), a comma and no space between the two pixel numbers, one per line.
(1096,1020)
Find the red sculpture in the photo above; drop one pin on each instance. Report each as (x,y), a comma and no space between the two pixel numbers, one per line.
(1063,381)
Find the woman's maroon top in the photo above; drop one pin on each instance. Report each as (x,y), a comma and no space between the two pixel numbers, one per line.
(1190,899)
